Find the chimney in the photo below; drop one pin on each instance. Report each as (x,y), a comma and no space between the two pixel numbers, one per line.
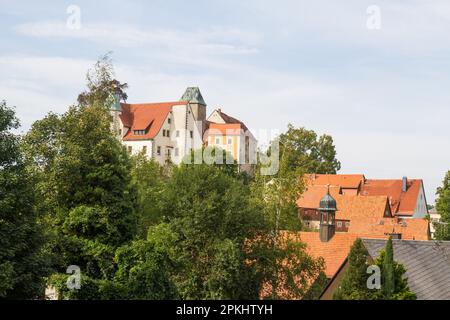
(404,184)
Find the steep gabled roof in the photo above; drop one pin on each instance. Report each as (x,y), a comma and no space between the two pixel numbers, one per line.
(401,202)
(148,116)
(348,206)
(230,120)
(356,207)
(427,265)
(311,197)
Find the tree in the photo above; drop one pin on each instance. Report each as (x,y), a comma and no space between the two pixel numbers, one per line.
(443,208)
(149,178)
(388,277)
(304,150)
(279,191)
(354,284)
(84,184)
(102,84)
(22,265)
(394,286)
(208,220)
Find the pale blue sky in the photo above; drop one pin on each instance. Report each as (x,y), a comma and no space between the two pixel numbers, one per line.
(382,94)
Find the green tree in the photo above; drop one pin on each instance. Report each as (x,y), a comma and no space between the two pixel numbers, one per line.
(209,220)
(443,208)
(22,265)
(394,286)
(102,84)
(304,150)
(354,284)
(278,192)
(84,183)
(149,178)
(143,272)
(388,276)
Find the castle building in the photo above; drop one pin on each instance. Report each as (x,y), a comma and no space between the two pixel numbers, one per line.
(168,131)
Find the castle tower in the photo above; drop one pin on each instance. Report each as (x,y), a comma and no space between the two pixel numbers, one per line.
(115,111)
(198,105)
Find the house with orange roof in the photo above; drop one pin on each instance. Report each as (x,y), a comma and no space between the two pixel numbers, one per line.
(232,135)
(374,221)
(357,197)
(168,131)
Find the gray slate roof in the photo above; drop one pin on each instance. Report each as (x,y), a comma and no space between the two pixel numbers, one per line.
(193,95)
(427,265)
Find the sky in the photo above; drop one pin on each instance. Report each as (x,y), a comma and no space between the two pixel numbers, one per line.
(372,74)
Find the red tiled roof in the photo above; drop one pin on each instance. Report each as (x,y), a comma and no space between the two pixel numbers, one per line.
(343,180)
(147,116)
(356,207)
(401,202)
(348,206)
(313,194)
(334,252)
(230,120)
(410,228)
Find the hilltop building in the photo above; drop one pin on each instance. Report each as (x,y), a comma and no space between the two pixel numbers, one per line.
(168,131)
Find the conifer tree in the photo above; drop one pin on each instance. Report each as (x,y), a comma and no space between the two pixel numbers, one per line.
(388,278)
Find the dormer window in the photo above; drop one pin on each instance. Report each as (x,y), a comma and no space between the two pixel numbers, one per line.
(139,132)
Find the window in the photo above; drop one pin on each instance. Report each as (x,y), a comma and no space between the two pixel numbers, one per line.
(178,133)
(158,151)
(168,133)
(177,151)
(164,132)
(120,132)
(144,149)
(192,134)
(230,141)
(169,121)
(339,224)
(130,149)
(347,224)
(139,132)
(217,140)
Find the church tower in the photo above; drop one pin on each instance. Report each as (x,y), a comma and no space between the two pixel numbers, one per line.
(327,211)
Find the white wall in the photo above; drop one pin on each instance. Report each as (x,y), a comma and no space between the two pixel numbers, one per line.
(421,207)
(137,146)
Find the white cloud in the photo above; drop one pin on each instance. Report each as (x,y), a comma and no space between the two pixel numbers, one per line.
(214,41)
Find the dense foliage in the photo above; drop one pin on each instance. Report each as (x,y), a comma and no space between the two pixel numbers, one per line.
(443,208)
(22,264)
(71,195)
(354,286)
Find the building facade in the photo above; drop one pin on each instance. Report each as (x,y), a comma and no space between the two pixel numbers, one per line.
(168,131)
